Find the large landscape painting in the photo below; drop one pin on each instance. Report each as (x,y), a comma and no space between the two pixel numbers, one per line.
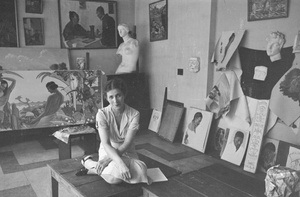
(35,99)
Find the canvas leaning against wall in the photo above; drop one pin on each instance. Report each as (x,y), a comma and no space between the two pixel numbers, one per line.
(236,146)
(35,99)
(197,130)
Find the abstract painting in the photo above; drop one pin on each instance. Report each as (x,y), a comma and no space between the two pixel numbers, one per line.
(35,99)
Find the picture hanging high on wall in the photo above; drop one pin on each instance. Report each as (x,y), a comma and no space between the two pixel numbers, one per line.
(33,31)
(8,24)
(158,15)
(262,9)
(34,6)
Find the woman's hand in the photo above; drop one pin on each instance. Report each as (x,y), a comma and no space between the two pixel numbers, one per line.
(101,165)
(125,173)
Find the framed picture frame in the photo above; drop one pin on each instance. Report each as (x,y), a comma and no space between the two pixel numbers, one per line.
(236,146)
(34,6)
(33,31)
(89,24)
(197,129)
(261,10)
(158,20)
(9,27)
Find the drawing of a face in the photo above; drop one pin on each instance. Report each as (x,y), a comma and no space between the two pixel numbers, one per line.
(238,139)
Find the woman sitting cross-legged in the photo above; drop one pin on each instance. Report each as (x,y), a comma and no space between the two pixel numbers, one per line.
(117,125)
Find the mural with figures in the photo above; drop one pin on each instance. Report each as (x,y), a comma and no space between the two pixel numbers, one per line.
(35,99)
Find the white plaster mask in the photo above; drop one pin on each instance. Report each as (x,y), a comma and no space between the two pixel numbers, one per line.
(194,64)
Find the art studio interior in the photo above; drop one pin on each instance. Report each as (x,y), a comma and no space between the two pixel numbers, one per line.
(150,98)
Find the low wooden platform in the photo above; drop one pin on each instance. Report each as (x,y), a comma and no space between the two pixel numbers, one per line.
(212,181)
(63,173)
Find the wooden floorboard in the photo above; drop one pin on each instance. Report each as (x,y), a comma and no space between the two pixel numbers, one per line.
(239,181)
(209,186)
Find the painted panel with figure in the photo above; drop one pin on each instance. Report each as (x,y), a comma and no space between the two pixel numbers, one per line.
(35,99)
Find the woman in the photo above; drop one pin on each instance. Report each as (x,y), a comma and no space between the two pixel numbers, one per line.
(5,91)
(73,29)
(53,104)
(117,125)
(129,50)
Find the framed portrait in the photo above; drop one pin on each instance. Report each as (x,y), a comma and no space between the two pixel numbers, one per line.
(197,129)
(261,9)
(89,24)
(158,15)
(236,146)
(8,23)
(33,31)
(34,6)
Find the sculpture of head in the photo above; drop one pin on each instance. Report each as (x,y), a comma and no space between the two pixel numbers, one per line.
(123,29)
(275,42)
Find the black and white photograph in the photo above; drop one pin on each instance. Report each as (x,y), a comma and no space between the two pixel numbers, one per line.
(149,98)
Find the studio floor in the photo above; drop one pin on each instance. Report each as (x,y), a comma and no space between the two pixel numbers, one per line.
(24,172)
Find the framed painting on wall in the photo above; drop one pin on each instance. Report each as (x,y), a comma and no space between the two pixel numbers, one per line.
(8,24)
(262,9)
(33,31)
(89,24)
(158,15)
(34,6)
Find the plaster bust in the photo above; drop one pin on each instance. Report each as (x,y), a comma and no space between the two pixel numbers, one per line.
(275,42)
(129,50)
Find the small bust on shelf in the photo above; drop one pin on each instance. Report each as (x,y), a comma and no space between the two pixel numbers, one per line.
(275,43)
(129,50)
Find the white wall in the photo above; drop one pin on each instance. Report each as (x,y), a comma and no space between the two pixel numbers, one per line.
(188,36)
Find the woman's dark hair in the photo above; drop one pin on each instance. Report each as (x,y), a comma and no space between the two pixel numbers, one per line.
(72,14)
(6,88)
(198,115)
(115,83)
(51,85)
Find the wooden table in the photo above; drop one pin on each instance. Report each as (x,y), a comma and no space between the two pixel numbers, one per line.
(89,145)
(63,173)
